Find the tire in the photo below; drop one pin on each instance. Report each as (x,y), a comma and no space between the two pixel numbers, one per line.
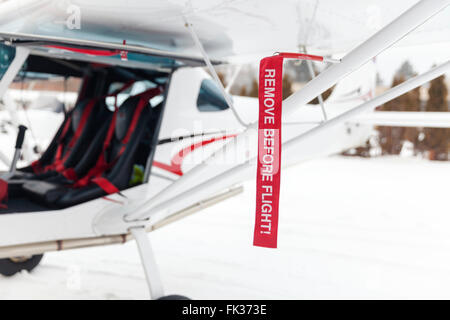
(174,297)
(11,266)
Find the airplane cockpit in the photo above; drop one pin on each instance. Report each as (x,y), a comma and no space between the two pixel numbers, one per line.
(104,145)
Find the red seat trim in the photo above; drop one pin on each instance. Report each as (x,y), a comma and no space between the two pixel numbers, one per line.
(3,194)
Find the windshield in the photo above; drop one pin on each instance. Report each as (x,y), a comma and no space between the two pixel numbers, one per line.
(7,55)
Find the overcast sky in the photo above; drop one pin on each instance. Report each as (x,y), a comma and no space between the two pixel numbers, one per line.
(421,57)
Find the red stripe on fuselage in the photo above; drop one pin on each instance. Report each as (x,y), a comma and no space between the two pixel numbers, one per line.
(177,160)
(92,52)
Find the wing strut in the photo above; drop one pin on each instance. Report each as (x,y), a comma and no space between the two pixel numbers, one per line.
(214,74)
(148,262)
(312,74)
(383,39)
(233,78)
(245,170)
(309,63)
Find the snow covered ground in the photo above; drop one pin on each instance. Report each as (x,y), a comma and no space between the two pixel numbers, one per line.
(349,228)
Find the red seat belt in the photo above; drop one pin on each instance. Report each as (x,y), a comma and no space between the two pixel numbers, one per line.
(36,165)
(70,173)
(3,194)
(58,164)
(59,160)
(105,185)
(102,165)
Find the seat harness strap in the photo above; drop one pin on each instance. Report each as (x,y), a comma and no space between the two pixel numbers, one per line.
(58,164)
(36,165)
(102,165)
(70,173)
(105,185)
(3,194)
(59,160)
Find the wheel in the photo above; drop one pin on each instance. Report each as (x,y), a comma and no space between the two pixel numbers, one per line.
(10,266)
(173,297)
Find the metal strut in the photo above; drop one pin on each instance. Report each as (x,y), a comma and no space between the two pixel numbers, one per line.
(312,74)
(321,102)
(214,74)
(309,63)
(233,78)
(242,171)
(148,262)
(384,38)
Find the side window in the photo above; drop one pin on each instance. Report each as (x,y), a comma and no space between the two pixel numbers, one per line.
(36,90)
(210,97)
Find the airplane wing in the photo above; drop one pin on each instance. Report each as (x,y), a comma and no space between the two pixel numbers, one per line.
(224,27)
(404,119)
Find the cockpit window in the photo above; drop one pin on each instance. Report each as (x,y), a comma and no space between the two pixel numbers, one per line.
(7,55)
(210,97)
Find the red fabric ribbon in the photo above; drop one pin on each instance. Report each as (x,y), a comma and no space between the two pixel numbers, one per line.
(269,146)
(269,152)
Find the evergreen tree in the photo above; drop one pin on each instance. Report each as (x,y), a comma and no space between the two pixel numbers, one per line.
(243,91)
(287,86)
(406,71)
(437,139)
(412,102)
(391,138)
(254,89)
(379,81)
(325,95)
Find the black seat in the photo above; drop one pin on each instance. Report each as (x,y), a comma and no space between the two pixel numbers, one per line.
(130,126)
(71,141)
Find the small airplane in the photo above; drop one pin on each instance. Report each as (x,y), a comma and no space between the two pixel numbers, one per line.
(153,137)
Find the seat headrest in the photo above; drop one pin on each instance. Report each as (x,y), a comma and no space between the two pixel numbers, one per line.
(125,116)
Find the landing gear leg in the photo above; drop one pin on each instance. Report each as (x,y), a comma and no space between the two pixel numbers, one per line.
(148,262)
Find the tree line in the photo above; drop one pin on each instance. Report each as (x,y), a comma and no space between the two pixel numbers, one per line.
(433,143)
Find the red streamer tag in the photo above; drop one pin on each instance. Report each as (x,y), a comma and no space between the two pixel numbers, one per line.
(269,152)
